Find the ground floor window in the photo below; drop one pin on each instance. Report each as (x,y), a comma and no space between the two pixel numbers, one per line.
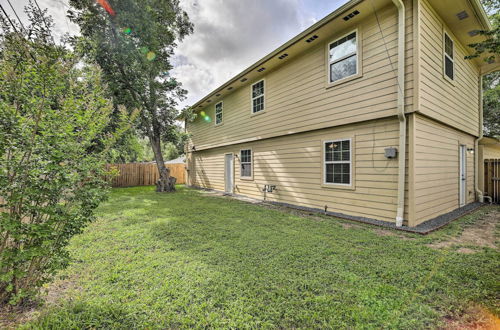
(246,163)
(338,162)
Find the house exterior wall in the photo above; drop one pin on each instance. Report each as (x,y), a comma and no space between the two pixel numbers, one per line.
(294,164)
(436,168)
(299,99)
(455,103)
(302,111)
(490,152)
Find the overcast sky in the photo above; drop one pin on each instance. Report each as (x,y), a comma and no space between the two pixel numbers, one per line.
(229,35)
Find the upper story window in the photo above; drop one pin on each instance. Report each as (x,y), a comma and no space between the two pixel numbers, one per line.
(338,162)
(246,163)
(218,113)
(258,97)
(343,57)
(449,63)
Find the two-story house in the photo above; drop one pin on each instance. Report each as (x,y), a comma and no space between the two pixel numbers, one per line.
(371,112)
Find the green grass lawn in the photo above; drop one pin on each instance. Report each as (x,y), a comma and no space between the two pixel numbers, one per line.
(192,260)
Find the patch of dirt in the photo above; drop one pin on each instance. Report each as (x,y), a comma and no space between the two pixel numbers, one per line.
(475,317)
(12,317)
(346,225)
(384,232)
(480,234)
(466,251)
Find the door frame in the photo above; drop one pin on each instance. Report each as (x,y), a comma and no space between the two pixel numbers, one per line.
(462,175)
(225,173)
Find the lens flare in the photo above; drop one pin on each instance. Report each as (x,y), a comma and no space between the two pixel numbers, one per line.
(127,31)
(203,114)
(105,4)
(151,56)
(144,50)
(207,119)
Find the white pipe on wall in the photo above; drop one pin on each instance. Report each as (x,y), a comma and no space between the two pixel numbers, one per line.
(479,193)
(401,111)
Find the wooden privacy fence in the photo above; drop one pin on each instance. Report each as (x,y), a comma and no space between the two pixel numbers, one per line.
(143,174)
(492,179)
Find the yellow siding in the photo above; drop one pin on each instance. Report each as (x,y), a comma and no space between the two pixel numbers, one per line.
(298,100)
(437,168)
(491,152)
(457,103)
(294,163)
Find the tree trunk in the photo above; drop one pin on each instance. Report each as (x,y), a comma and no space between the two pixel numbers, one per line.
(166,183)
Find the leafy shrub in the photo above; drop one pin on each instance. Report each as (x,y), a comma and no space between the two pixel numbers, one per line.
(52,113)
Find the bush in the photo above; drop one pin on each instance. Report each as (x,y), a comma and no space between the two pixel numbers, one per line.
(52,114)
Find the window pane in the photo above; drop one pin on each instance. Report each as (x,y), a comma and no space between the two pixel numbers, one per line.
(346,179)
(343,69)
(258,104)
(246,169)
(258,89)
(328,152)
(337,155)
(346,145)
(448,67)
(346,155)
(246,156)
(448,46)
(346,168)
(343,47)
(329,173)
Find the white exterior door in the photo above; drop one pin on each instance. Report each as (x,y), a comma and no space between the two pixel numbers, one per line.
(463,175)
(229,173)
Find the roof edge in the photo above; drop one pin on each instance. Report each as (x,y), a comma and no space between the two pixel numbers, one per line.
(481,14)
(283,47)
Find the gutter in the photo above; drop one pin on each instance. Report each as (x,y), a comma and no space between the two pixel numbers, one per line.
(401,111)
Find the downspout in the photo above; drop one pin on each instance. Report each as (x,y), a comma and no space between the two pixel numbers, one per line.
(401,111)
(479,193)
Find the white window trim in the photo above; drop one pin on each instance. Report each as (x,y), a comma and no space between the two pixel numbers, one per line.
(359,53)
(325,162)
(222,112)
(251,165)
(253,98)
(445,33)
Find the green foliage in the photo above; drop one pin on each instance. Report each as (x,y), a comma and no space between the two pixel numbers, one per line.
(491,104)
(52,116)
(134,48)
(189,260)
(491,44)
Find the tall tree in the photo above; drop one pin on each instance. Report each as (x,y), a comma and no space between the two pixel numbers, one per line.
(491,82)
(133,42)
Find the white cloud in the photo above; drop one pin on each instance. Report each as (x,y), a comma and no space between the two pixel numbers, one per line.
(230,35)
(55,8)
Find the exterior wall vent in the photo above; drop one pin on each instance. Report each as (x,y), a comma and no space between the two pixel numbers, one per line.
(283,56)
(462,15)
(230,88)
(473,33)
(351,15)
(314,37)
(217,94)
(209,101)
(244,79)
(261,69)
